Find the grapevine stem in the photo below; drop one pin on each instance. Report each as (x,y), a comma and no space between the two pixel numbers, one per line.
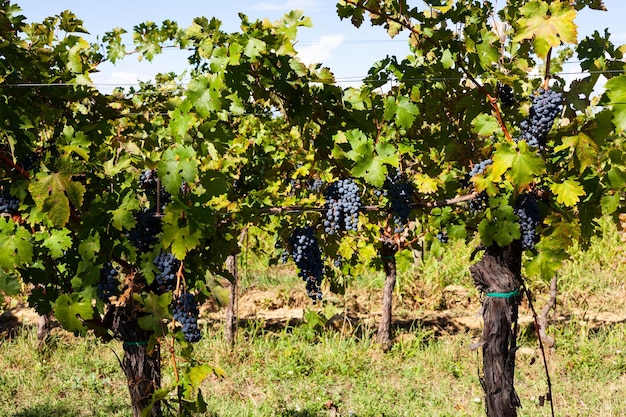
(546,78)
(8,161)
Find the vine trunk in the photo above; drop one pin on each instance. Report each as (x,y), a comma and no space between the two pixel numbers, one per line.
(498,276)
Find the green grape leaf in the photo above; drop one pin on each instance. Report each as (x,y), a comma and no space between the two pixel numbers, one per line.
(16,248)
(122,216)
(568,192)
(485,125)
(10,284)
(88,249)
(500,226)
(617,178)
(610,203)
(197,374)
(157,307)
(57,241)
(520,164)
(546,263)
(488,51)
(75,142)
(548,25)
(583,148)
(177,164)
(616,92)
(401,110)
(181,239)
(205,94)
(68,308)
(370,161)
(254,48)
(53,193)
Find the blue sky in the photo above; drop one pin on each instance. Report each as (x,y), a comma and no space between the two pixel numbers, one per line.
(347,51)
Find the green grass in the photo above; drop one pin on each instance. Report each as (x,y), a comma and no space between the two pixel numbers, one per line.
(311,371)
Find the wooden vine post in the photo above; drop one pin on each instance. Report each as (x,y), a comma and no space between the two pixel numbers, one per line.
(230,328)
(498,276)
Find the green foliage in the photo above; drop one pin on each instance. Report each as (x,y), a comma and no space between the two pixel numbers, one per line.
(252,117)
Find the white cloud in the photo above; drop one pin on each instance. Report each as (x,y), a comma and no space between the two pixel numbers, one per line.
(321,50)
(308,5)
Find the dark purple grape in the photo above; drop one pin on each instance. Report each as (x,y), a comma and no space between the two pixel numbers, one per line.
(185,311)
(547,104)
(343,204)
(305,251)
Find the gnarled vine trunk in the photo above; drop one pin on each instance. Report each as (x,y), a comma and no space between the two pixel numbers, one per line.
(387,253)
(498,276)
(141,365)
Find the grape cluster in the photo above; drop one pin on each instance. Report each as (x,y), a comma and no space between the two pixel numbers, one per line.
(527,211)
(306,253)
(479,203)
(8,203)
(108,285)
(185,311)
(148,180)
(442,236)
(480,167)
(505,94)
(146,229)
(546,106)
(168,266)
(400,194)
(342,206)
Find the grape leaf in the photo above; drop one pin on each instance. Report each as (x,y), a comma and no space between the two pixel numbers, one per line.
(402,110)
(177,164)
(205,94)
(57,241)
(181,239)
(68,308)
(616,92)
(52,194)
(568,192)
(520,164)
(10,284)
(370,161)
(500,226)
(15,244)
(485,125)
(548,25)
(583,148)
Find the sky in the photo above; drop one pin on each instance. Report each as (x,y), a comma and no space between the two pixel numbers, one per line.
(337,44)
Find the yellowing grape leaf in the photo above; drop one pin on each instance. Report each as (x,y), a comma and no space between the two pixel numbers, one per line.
(547,25)
(568,192)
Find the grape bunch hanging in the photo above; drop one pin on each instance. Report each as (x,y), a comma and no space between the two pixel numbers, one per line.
(185,311)
(400,193)
(342,206)
(8,203)
(147,227)
(108,285)
(305,251)
(547,104)
(168,266)
(527,211)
